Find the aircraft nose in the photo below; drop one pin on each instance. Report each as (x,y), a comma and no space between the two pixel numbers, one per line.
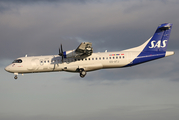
(7,68)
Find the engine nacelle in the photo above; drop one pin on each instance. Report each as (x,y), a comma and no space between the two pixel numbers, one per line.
(84,48)
(71,53)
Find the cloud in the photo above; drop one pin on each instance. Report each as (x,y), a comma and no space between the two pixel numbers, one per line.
(51,96)
(126,113)
(40,28)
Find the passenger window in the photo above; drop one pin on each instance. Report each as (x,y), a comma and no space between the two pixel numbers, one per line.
(113,57)
(88,58)
(109,57)
(85,58)
(123,56)
(116,57)
(96,58)
(99,58)
(92,58)
(103,58)
(120,57)
(44,61)
(41,62)
(106,58)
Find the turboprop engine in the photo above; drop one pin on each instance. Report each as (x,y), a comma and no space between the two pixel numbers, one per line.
(84,48)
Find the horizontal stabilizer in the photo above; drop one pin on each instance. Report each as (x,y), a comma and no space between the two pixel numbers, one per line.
(168,53)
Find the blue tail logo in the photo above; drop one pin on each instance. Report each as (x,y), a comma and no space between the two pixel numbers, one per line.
(158,44)
(160,39)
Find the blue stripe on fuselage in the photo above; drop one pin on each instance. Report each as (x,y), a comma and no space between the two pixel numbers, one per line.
(146,56)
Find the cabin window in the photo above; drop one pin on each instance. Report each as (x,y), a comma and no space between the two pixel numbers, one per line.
(120,57)
(85,58)
(109,57)
(41,62)
(99,58)
(44,61)
(103,58)
(116,57)
(88,58)
(78,59)
(96,58)
(113,57)
(123,56)
(106,58)
(48,61)
(92,58)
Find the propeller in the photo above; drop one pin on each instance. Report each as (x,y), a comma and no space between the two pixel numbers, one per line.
(61,52)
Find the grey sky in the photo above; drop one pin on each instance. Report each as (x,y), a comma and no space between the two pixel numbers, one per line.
(38,27)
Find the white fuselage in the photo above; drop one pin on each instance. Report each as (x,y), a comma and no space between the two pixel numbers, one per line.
(54,62)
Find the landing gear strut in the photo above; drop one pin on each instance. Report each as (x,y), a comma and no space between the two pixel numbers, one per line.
(15,77)
(82,73)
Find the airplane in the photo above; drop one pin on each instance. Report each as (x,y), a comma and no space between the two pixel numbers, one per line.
(83,60)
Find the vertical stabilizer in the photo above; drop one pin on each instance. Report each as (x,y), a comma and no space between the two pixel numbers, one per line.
(160,38)
(155,47)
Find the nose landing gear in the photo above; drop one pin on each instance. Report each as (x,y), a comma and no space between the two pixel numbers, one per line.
(15,77)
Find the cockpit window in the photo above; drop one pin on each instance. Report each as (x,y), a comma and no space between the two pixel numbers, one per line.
(17,61)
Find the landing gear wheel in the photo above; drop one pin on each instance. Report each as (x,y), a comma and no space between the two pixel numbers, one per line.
(82,73)
(15,77)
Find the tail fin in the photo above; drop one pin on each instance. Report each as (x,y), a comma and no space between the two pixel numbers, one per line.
(160,39)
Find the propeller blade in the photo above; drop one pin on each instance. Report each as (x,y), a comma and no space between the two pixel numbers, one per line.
(62,59)
(59,52)
(61,49)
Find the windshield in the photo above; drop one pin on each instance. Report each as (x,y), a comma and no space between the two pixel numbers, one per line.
(17,61)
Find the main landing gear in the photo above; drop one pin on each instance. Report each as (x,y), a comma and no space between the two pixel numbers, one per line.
(82,72)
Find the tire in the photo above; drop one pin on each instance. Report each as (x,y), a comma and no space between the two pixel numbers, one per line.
(15,77)
(82,73)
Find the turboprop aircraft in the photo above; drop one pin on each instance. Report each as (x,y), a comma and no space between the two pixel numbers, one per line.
(83,60)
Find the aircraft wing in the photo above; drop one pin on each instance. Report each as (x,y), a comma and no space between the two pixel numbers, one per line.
(85,48)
